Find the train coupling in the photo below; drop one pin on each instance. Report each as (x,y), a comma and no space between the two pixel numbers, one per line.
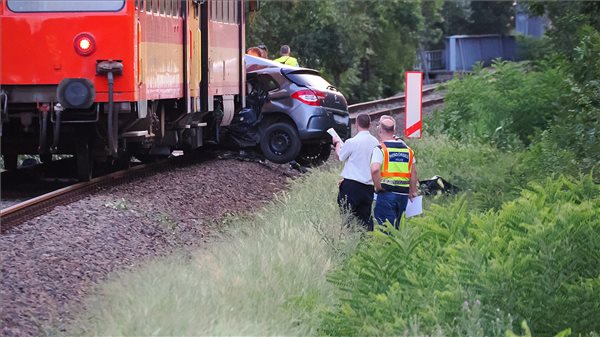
(111,68)
(105,67)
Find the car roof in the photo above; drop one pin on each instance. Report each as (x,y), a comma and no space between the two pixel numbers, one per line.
(256,64)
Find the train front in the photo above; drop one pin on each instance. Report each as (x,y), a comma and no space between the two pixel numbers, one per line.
(66,70)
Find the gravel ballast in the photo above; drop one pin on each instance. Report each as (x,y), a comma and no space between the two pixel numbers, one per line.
(49,264)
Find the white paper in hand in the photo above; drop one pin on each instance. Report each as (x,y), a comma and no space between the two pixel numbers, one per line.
(334,134)
(414,207)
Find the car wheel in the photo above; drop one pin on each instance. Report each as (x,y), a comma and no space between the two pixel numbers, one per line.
(313,155)
(280,143)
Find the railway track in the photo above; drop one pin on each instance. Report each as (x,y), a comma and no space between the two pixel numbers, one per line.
(393,105)
(31,208)
(16,214)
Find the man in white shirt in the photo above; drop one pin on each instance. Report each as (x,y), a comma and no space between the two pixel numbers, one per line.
(356,190)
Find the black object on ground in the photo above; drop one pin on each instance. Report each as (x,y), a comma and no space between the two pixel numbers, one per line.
(437,185)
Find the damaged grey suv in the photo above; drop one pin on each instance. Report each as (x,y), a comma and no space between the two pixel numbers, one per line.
(292,109)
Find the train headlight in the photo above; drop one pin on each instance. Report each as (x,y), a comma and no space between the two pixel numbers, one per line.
(76,93)
(84,44)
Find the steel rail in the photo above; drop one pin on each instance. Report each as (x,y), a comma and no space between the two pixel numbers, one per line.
(31,208)
(396,107)
(395,100)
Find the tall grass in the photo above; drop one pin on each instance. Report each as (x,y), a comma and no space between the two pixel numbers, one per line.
(265,276)
(481,170)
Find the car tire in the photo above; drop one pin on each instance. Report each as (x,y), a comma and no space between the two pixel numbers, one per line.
(280,143)
(313,155)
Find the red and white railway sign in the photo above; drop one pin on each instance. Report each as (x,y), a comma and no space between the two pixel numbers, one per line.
(413,106)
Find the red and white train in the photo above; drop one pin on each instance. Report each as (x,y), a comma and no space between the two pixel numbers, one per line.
(108,79)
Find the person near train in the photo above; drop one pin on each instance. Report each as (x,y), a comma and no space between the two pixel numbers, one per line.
(254,51)
(263,50)
(356,189)
(394,174)
(286,58)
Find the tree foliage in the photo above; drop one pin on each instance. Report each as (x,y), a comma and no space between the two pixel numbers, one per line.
(362,47)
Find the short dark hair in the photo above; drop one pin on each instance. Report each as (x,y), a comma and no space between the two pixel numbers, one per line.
(363,120)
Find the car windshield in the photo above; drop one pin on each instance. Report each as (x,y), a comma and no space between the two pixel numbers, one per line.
(65,5)
(306,79)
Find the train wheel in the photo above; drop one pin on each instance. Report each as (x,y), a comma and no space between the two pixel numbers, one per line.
(123,161)
(84,161)
(10,161)
(46,157)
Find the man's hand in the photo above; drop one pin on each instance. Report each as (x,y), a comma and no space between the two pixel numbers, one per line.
(335,140)
(412,195)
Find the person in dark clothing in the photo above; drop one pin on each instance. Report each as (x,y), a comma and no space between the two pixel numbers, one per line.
(356,189)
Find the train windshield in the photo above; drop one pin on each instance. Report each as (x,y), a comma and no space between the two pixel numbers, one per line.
(24,6)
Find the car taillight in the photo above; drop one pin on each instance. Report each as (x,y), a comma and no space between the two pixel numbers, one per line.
(308,96)
(84,44)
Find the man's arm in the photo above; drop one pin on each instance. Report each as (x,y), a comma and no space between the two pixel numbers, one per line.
(345,149)
(338,147)
(414,182)
(376,176)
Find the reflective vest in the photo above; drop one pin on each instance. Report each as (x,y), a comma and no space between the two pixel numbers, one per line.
(290,61)
(396,167)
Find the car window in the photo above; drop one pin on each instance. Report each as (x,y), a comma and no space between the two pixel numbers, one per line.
(308,80)
(269,83)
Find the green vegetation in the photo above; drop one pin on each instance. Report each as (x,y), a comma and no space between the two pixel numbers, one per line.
(536,259)
(522,244)
(362,47)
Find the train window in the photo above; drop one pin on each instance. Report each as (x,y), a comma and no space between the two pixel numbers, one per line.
(213,9)
(148,5)
(168,7)
(225,10)
(231,11)
(219,17)
(236,4)
(161,6)
(65,6)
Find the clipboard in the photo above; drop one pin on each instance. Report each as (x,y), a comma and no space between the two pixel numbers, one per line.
(414,207)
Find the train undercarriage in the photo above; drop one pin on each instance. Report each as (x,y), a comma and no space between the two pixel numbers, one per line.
(46,129)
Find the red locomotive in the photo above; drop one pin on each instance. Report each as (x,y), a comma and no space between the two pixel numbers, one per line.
(108,79)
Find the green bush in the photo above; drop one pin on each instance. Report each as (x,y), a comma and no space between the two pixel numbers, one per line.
(483,171)
(505,106)
(531,48)
(537,258)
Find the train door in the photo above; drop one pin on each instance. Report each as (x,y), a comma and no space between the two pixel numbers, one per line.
(193,57)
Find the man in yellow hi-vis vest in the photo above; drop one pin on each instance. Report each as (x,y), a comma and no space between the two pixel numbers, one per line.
(285,56)
(394,174)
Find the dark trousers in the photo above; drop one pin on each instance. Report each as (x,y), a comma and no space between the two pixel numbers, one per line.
(389,207)
(358,199)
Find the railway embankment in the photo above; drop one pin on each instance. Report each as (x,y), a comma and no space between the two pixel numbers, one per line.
(50,263)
